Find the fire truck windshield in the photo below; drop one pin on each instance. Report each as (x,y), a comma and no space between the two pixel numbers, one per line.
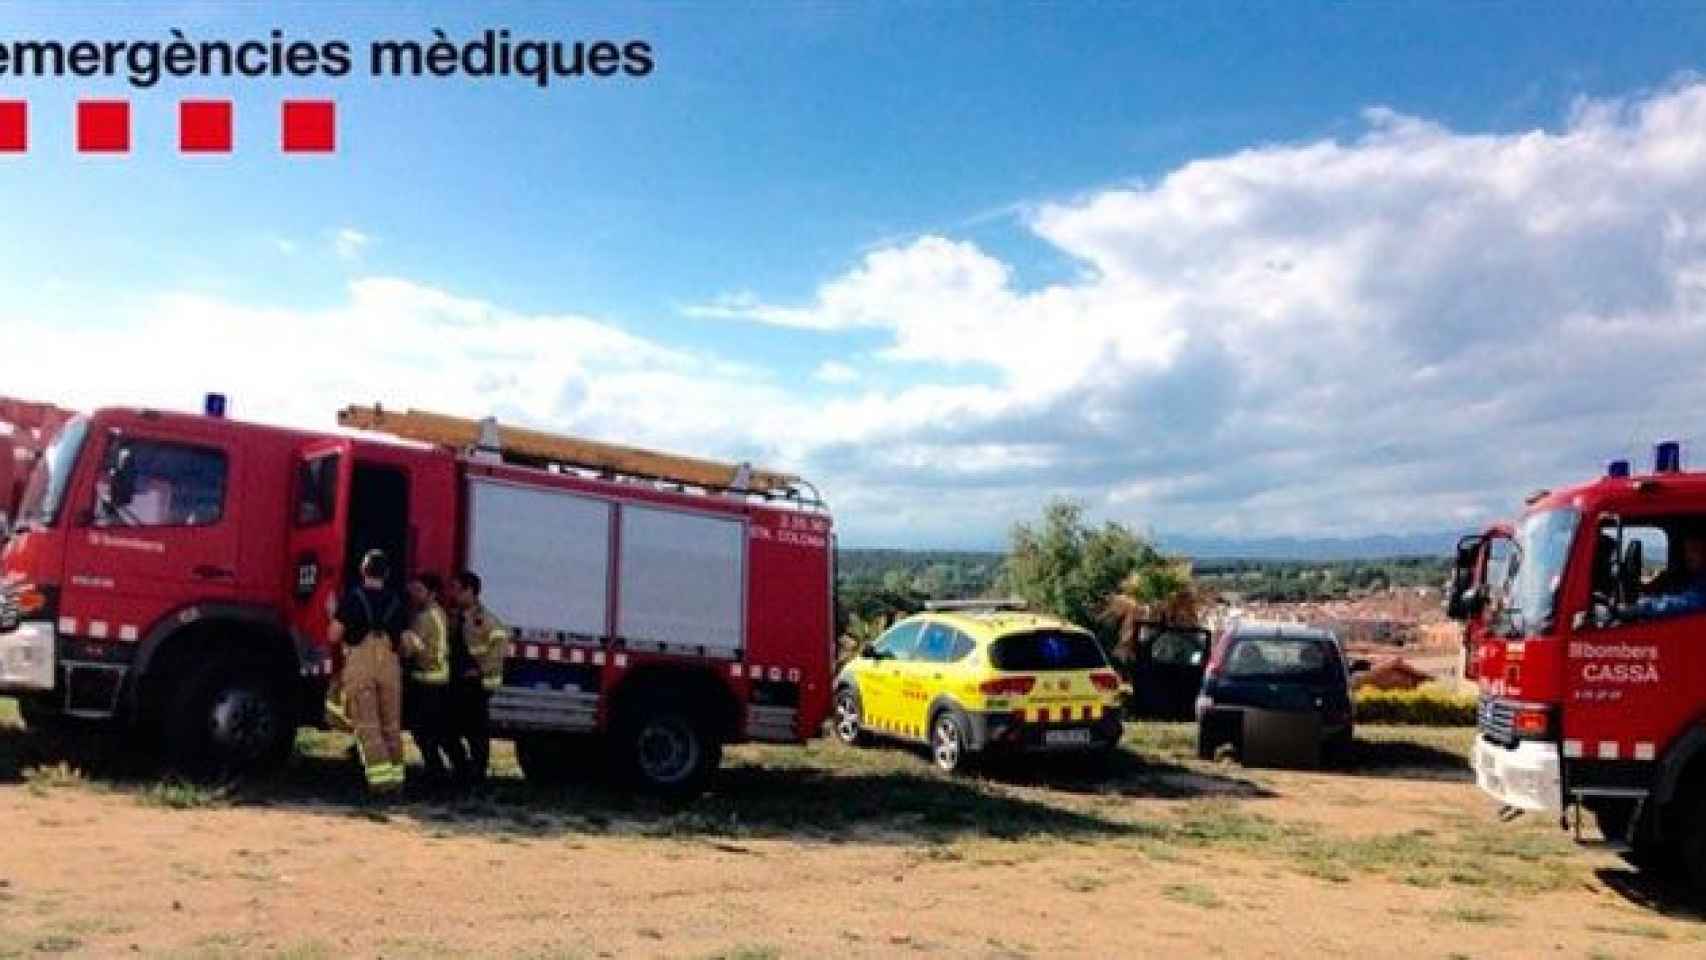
(1531,590)
(46,488)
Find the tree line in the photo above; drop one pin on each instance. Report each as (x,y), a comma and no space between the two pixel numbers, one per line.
(1105,577)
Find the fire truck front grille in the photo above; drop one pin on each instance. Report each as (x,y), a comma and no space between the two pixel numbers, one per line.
(1496,719)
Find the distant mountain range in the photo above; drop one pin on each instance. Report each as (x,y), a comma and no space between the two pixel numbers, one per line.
(1308,549)
(1313,548)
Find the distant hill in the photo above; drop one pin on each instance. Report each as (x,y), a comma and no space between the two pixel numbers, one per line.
(1307,549)
(1313,549)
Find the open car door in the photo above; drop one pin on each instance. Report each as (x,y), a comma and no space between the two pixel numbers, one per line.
(1482,563)
(1167,671)
(319,532)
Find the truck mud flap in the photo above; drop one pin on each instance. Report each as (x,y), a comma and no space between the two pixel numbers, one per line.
(775,724)
(520,708)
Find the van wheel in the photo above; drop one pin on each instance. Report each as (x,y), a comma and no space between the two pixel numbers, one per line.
(850,718)
(546,759)
(666,749)
(229,721)
(950,742)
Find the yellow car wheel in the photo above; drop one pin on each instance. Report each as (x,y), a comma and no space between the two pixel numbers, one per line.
(849,720)
(949,741)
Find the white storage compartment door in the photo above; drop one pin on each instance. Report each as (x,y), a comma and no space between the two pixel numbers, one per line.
(683,578)
(543,556)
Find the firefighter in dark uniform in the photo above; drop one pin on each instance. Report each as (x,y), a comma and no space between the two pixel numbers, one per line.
(426,695)
(371,621)
(478,644)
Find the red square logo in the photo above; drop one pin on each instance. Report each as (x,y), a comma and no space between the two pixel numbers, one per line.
(204,126)
(310,126)
(103,126)
(14,126)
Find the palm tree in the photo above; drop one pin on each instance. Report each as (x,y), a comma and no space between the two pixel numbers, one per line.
(1161,592)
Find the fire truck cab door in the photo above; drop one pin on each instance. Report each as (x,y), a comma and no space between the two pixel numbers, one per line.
(319,531)
(159,527)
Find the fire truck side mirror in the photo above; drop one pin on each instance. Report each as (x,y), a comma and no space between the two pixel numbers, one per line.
(121,479)
(1629,574)
(1461,593)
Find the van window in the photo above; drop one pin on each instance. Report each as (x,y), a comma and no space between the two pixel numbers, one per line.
(160,484)
(1047,650)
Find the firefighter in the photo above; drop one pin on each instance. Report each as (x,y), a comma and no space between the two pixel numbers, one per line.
(426,696)
(371,622)
(479,643)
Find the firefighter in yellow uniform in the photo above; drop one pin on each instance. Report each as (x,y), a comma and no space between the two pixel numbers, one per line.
(371,622)
(479,642)
(426,696)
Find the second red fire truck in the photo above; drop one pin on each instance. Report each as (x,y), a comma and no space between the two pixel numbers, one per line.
(1587,619)
(171,574)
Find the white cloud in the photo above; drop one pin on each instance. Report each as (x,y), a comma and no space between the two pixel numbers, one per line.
(1402,331)
(834,371)
(406,345)
(349,243)
(1397,331)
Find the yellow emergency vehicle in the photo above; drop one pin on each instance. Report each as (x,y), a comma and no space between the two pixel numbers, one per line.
(981,676)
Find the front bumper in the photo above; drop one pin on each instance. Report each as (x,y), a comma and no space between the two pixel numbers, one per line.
(26,657)
(1528,776)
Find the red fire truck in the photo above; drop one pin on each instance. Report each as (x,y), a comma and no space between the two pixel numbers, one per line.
(24,430)
(1589,620)
(173,573)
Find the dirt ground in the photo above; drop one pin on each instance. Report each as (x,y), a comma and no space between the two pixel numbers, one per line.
(818,851)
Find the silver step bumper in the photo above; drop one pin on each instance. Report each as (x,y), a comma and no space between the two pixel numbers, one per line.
(1527,777)
(26,657)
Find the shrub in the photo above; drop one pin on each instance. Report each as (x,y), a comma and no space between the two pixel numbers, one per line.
(1424,706)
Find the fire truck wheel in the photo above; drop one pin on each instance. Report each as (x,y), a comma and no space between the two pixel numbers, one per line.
(1694,851)
(666,748)
(546,759)
(229,721)
(850,718)
(40,716)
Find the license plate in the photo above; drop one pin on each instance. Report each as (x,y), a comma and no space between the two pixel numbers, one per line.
(1066,738)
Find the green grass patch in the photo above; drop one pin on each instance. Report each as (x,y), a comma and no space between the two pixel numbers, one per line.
(1193,894)
(1645,931)
(1475,914)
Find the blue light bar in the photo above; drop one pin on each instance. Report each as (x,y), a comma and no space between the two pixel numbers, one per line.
(1667,457)
(214,405)
(1617,468)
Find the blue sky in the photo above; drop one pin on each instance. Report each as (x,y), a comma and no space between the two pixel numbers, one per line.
(790,210)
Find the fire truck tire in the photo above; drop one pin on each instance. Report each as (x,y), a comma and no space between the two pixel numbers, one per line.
(547,759)
(229,720)
(42,717)
(664,747)
(1694,851)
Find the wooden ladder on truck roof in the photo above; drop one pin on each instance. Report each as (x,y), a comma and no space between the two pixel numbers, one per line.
(538,448)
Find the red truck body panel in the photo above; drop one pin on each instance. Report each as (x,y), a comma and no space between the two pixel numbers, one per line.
(119,590)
